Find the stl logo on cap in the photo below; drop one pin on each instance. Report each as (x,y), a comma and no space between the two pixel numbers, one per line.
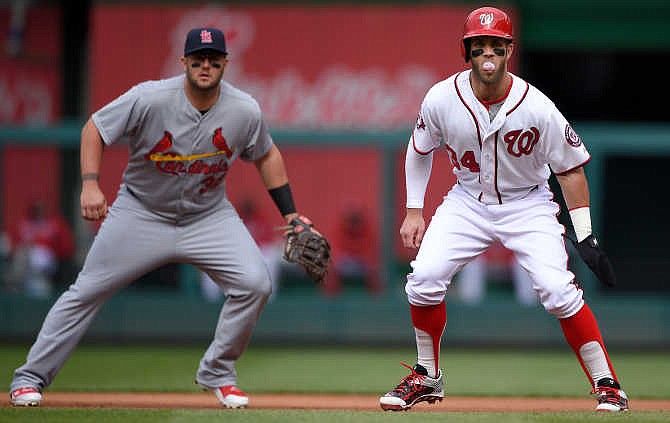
(205,36)
(486,18)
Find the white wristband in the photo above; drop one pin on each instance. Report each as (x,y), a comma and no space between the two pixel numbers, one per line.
(581,221)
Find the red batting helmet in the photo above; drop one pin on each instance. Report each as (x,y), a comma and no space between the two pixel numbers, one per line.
(485,21)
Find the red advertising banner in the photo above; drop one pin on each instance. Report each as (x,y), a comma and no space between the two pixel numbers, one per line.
(29,173)
(308,66)
(30,68)
(30,93)
(335,67)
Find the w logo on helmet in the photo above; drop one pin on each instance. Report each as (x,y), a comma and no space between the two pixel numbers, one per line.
(486,18)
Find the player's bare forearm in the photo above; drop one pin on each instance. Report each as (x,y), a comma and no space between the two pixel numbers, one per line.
(92,200)
(92,148)
(574,187)
(272,169)
(413,228)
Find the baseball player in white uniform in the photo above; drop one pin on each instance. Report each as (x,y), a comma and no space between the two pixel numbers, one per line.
(504,138)
(183,135)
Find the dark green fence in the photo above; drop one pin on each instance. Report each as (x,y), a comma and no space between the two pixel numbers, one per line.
(636,314)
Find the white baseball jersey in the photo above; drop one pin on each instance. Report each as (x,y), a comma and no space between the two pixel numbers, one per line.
(503,159)
(502,155)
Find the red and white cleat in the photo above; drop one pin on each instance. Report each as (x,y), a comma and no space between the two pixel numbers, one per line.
(230,396)
(26,397)
(413,388)
(610,396)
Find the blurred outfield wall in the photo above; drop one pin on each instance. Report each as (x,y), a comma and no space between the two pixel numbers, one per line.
(352,79)
(366,167)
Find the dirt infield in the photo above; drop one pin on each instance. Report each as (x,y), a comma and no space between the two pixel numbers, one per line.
(206,400)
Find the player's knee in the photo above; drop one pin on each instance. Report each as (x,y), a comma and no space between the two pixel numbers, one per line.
(86,295)
(259,283)
(423,273)
(561,305)
(424,292)
(90,286)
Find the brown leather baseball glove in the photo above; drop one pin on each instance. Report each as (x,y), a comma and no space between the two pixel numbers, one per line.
(307,247)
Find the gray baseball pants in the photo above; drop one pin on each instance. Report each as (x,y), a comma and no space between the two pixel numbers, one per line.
(133,241)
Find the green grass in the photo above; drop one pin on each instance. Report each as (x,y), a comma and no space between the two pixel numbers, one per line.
(297,416)
(476,372)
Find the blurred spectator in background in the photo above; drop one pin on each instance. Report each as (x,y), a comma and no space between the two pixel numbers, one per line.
(41,244)
(497,264)
(18,8)
(269,241)
(5,256)
(353,260)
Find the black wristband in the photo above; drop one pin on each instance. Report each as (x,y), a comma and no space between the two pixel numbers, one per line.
(283,198)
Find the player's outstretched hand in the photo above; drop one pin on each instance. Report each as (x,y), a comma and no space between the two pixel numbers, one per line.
(307,247)
(594,257)
(413,228)
(93,202)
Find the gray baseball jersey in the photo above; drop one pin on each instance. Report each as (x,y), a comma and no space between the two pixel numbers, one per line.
(171,207)
(179,156)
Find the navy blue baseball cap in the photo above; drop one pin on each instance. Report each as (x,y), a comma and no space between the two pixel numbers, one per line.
(199,39)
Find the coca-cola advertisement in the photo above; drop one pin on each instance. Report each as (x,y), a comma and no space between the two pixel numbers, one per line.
(30,94)
(30,39)
(312,68)
(308,66)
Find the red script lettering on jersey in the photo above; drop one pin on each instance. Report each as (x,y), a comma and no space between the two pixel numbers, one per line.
(175,164)
(520,142)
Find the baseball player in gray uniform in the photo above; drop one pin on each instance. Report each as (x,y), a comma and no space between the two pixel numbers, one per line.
(504,137)
(183,133)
